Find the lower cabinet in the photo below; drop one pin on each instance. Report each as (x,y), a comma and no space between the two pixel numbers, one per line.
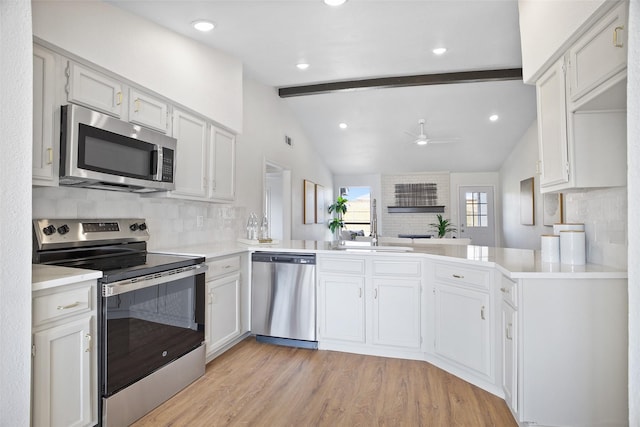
(510,356)
(64,366)
(223,304)
(462,327)
(370,304)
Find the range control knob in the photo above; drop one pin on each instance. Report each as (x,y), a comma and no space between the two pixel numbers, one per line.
(49,230)
(133,227)
(63,229)
(142,226)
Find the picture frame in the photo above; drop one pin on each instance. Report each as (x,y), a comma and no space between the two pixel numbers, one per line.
(320,204)
(309,202)
(527,203)
(552,209)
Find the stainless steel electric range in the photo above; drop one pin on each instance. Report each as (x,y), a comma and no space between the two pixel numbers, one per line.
(150,305)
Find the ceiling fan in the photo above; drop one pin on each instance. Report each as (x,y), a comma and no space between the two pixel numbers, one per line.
(423,139)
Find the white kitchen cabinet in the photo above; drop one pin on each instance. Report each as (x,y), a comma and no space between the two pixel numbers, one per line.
(223,169)
(45,146)
(572,352)
(599,54)
(509,341)
(223,302)
(342,314)
(396,312)
(94,90)
(371,303)
(64,366)
(148,111)
(552,126)
(192,162)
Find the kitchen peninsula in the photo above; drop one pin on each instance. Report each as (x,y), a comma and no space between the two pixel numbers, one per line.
(496,317)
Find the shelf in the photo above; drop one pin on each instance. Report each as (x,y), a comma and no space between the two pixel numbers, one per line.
(415,209)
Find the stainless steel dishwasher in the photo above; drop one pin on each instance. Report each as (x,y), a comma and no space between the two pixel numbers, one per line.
(283,298)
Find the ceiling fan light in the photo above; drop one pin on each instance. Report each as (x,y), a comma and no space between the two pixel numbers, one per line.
(302,66)
(439,50)
(494,117)
(421,142)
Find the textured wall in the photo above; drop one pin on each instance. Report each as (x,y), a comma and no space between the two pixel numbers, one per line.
(15,205)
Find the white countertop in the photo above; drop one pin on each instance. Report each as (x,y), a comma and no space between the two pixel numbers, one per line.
(514,263)
(50,276)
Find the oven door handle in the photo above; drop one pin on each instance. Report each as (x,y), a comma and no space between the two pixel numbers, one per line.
(135,283)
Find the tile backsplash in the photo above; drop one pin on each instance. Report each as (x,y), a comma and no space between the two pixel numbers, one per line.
(172,222)
(604,214)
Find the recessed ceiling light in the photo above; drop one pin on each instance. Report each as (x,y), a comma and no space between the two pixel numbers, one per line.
(494,117)
(334,2)
(343,125)
(302,66)
(202,25)
(439,50)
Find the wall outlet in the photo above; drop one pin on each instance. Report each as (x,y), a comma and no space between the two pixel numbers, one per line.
(199,221)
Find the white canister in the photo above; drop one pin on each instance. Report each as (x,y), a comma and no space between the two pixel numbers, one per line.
(550,248)
(572,247)
(557,228)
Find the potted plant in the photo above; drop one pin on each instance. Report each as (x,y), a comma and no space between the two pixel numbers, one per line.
(338,208)
(443,226)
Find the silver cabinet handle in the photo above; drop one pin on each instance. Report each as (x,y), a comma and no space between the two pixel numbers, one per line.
(504,290)
(508,331)
(615,37)
(375,293)
(88,337)
(68,306)
(359,292)
(482,313)
(458,276)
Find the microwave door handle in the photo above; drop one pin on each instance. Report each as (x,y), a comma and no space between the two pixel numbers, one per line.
(156,163)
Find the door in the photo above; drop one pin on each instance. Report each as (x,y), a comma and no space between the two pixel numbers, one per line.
(94,90)
(192,164)
(223,311)
(476,211)
(396,313)
(223,173)
(342,308)
(277,200)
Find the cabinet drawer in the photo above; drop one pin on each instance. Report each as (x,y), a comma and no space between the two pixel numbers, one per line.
(61,303)
(220,267)
(509,291)
(397,268)
(463,275)
(342,265)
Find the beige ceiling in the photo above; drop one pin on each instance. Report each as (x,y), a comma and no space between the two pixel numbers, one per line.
(376,38)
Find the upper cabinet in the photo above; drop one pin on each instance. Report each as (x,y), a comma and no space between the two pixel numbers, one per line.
(45,146)
(582,110)
(223,173)
(94,90)
(149,111)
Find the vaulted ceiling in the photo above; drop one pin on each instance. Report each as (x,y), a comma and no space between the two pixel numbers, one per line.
(364,39)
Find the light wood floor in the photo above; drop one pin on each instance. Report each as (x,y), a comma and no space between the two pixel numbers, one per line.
(256,384)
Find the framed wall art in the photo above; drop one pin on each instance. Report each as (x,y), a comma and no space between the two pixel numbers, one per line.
(527,205)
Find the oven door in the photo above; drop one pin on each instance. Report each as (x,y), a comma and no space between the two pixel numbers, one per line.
(148,322)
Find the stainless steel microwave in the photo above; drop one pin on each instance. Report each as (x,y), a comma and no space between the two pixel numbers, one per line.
(100,151)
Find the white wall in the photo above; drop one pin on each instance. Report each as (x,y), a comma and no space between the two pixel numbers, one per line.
(521,164)
(633,159)
(15,211)
(188,72)
(267,119)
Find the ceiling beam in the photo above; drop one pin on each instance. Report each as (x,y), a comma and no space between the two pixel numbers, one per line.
(403,81)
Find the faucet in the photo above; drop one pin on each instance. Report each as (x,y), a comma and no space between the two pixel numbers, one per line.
(374,224)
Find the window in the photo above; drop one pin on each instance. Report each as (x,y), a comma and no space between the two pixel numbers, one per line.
(358,216)
(476,209)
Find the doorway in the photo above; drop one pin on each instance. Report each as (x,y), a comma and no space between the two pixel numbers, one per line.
(277,200)
(476,215)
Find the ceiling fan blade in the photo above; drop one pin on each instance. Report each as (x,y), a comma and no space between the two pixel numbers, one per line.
(442,140)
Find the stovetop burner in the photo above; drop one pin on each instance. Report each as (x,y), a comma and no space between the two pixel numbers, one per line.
(117,247)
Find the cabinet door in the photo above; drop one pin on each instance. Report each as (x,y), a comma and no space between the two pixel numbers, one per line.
(222,317)
(43,112)
(223,173)
(191,155)
(342,308)
(552,126)
(463,332)
(62,375)
(94,90)
(148,111)
(600,53)
(510,356)
(396,312)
